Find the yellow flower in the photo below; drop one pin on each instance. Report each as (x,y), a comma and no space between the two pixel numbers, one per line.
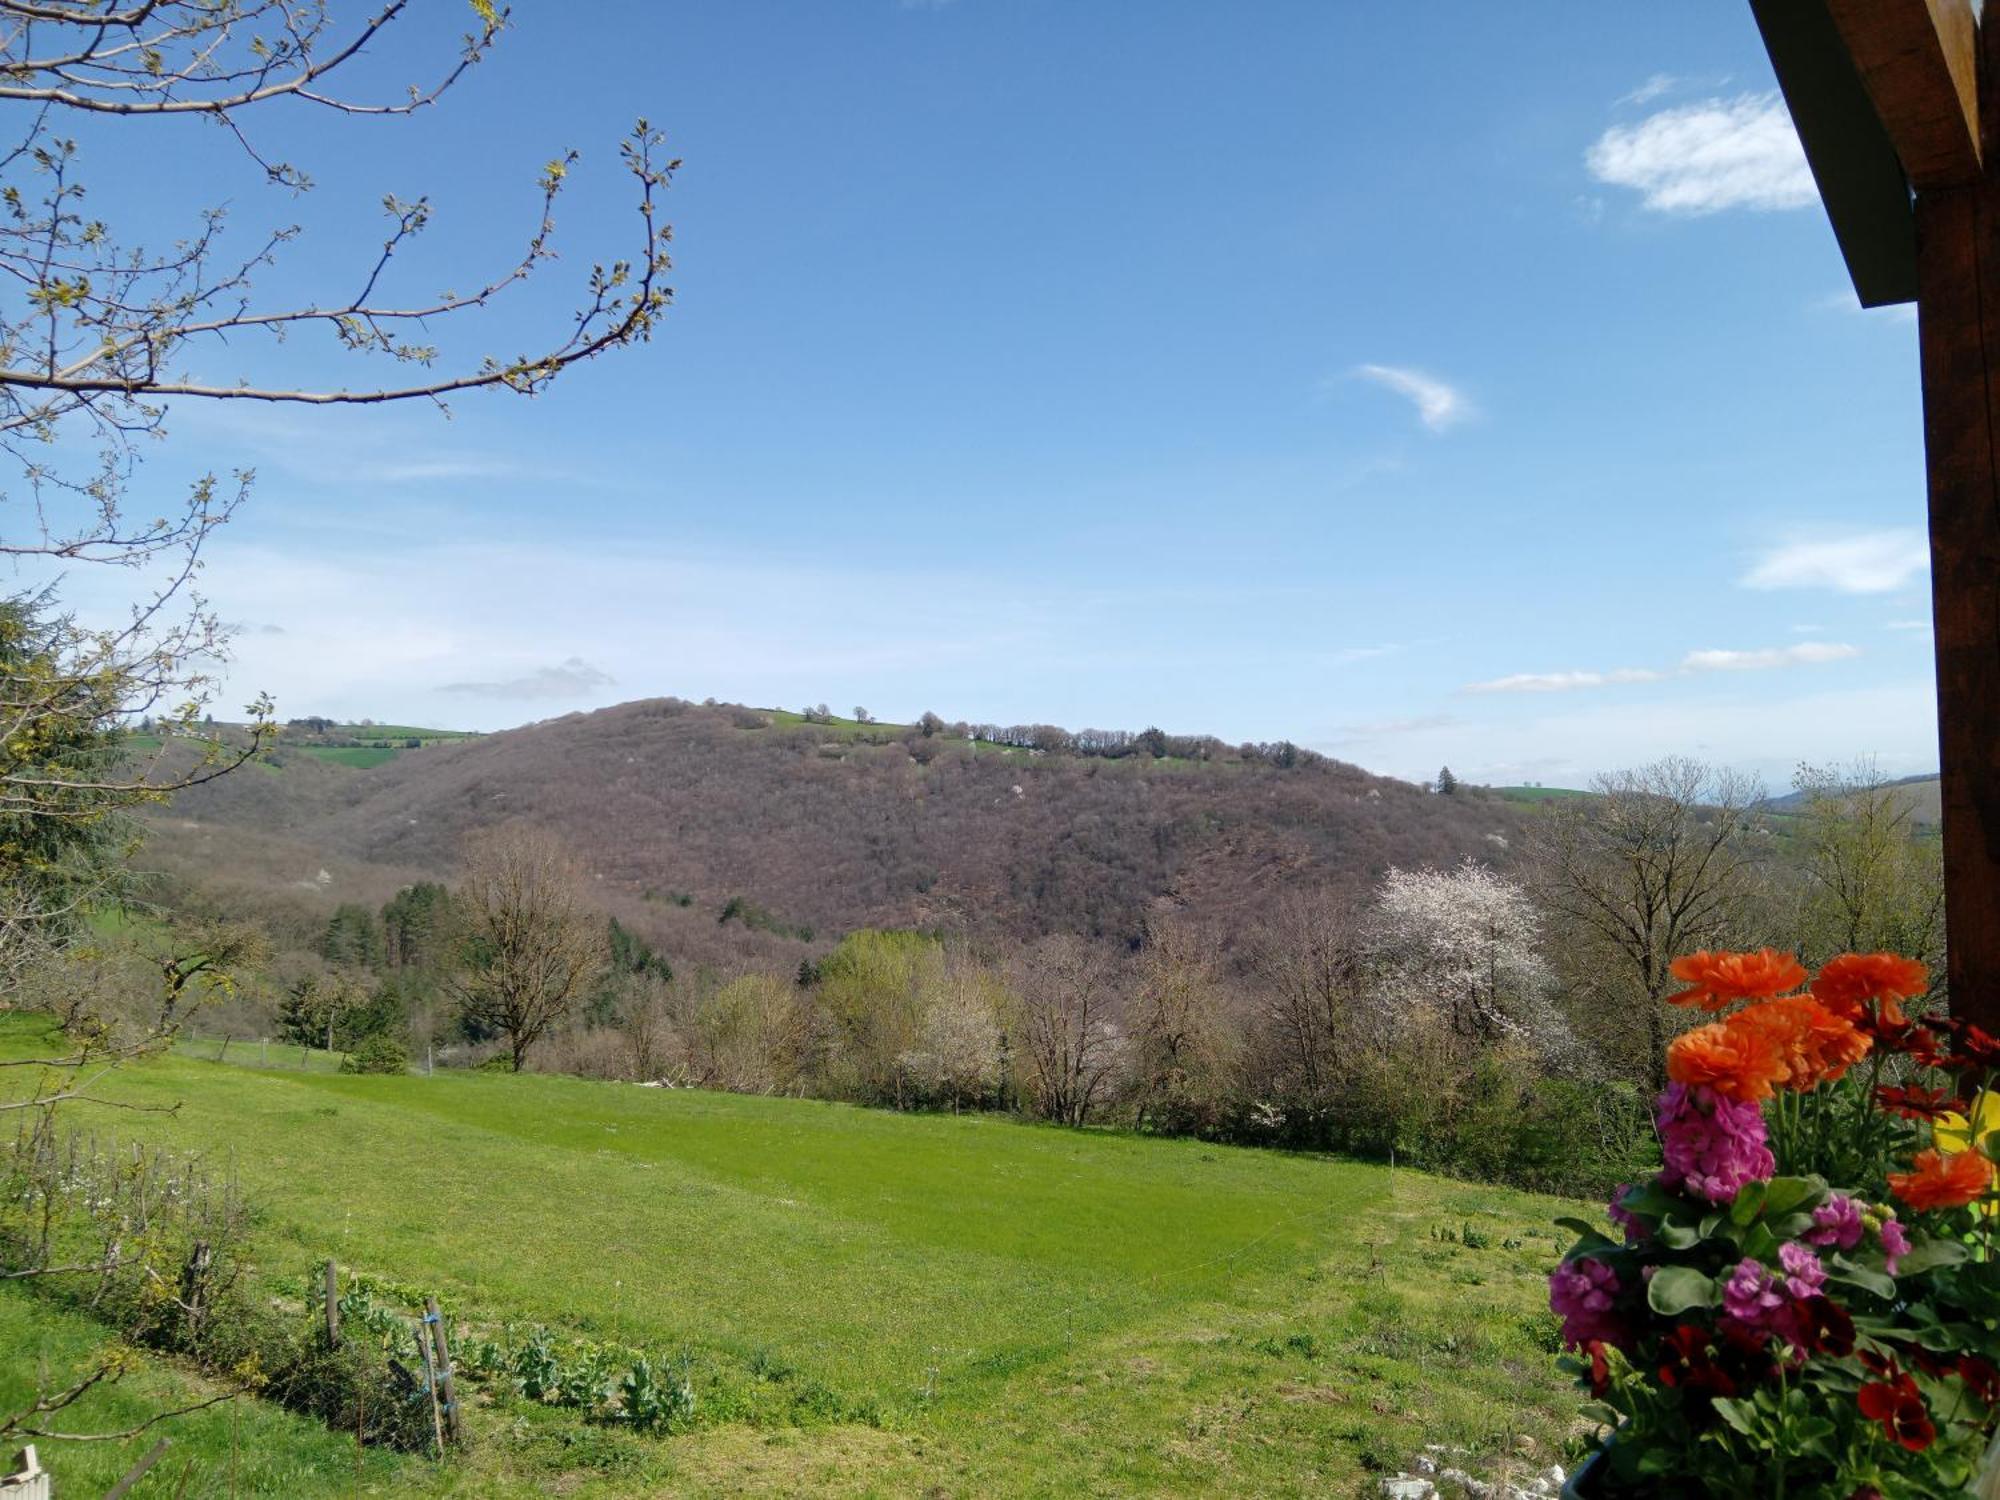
(1952,1132)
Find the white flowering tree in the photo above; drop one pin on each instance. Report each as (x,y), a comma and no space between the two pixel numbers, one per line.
(1464,945)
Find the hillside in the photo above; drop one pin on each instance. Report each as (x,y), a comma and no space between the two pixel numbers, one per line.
(869,1302)
(1920,797)
(812,829)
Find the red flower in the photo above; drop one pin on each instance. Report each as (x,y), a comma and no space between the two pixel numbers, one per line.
(1687,1360)
(1600,1368)
(1819,1325)
(1981,1377)
(1917,1103)
(1849,983)
(1716,979)
(1899,1407)
(1914,1040)
(1974,1046)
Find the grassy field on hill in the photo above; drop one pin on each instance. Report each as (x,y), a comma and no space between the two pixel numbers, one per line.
(882,1303)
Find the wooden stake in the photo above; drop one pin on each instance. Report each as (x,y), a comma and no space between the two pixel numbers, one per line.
(447,1385)
(137,1472)
(332,1304)
(430,1384)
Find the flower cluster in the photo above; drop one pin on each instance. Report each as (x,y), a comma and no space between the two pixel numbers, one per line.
(1713,1144)
(1752,1327)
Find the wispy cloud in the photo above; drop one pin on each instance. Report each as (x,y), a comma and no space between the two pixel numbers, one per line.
(1908,625)
(1873,562)
(574,678)
(1759,659)
(1438,404)
(1388,728)
(1651,89)
(1708,156)
(1563,682)
(1764,658)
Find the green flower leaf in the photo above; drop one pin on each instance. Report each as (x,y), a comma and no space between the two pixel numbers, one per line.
(1675,1289)
(1930,1254)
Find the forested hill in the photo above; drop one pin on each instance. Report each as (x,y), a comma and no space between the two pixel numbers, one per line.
(792,826)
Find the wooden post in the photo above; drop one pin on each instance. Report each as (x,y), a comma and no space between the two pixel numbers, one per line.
(447,1385)
(332,1304)
(1958,311)
(430,1383)
(138,1471)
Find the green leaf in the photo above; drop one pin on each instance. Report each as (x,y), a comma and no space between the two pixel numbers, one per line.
(1749,1203)
(1929,1254)
(1840,1268)
(1652,1200)
(1736,1413)
(1675,1289)
(1758,1242)
(1783,1194)
(1678,1236)
(1590,1240)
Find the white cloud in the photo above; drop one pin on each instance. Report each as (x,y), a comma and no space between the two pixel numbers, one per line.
(1438,405)
(571,679)
(1708,156)
(1651,89)
(1874,562)
(1563,682)
(1763,658)
(1909,625)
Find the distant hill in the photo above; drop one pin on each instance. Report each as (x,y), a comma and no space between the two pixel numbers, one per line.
(1921,795)
(772,831)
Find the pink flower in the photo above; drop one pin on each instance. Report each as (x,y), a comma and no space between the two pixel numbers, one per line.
(1895,1245)
(1752,1295)
(1633,1226)
(1836,1222)
(1583,1294)
(1804,1275)
(1712,1145)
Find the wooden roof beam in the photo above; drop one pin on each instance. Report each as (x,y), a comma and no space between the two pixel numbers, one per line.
(1918,60)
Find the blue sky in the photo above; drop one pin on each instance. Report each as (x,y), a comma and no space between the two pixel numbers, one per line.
(1427,384)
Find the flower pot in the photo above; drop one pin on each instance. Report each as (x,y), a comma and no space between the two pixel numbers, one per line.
(1587,1483)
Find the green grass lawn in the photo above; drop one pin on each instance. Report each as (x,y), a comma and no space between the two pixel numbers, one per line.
(241,1447)
(894,1304)
(286,1056)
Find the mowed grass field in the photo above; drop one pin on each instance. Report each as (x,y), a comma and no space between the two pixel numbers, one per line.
(893,1304)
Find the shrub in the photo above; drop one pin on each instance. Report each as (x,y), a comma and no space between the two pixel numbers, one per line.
(379,1054)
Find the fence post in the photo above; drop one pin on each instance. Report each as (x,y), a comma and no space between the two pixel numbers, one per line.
(430,1382)
(332,1304)
(447,1384)
(137,1472)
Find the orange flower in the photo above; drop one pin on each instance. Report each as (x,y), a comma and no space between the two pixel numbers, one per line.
(1738,1062)
(1943,1181)
(1815,1045)
(1846,984)
(1716,979)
